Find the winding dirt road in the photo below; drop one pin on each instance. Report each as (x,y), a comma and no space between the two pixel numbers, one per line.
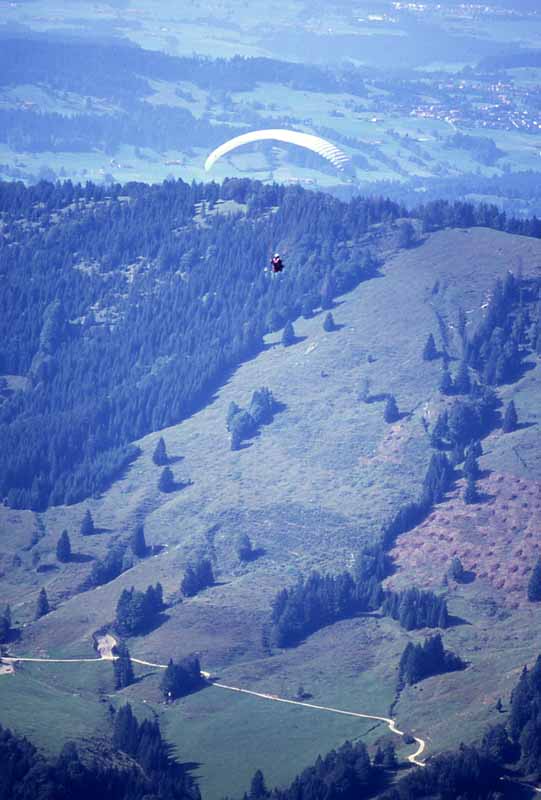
(105,648)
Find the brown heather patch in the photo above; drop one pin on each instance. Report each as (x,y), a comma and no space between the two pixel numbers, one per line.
(499,539)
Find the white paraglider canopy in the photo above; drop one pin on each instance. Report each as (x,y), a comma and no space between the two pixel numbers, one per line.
(307,140)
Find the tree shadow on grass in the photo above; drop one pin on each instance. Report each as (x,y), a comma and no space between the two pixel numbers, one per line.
(484,497)
(177,486)
(468,576)
(521,426)
(377,398)
(296,340)
(81,558)
(454,621)
(337,326)
(47,568)
(98,531)
(153,624)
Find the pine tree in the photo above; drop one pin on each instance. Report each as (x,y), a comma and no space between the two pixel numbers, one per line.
(288,335)
(457,454)
(462,380)
(189,585)
(160,457)
(42,605)
(244,547)
(456,570)
(534,584)
(328,323)
(406,235)
(258,790)
(391,412)
(167,482)
(167,683)
(446,382)
(5,624)
(430,351)
(389,760)
(471,467)
(204,573)
(87,525)
(63,547)
(440,431)
(470,492)
(138,543)
(122,666)
(125,731)
(510,420)
(232,411)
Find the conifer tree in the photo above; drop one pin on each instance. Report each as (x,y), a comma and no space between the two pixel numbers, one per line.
(232,411)
(138,543)
(327,293)
(244,547)
(122,666)
(258,790)
(534,584)
(204,572)
(462,380)
(510,420)
(63,547)
(406,234)
(125,730)
(446,382)
(471,467)
(167,683)
(440,431)
(42,605)
(430,351)
(160,457)
(457,454)
(288,335)
(391,412)
(5,624)
(328,323)
(87,525)
(189,585)
(167,482)
(470,492)
(456,569)
(389,760)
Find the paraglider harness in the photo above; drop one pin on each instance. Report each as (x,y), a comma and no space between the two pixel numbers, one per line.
(276,264)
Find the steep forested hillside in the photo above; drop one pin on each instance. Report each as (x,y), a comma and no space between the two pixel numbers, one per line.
(123,308)
(293,517)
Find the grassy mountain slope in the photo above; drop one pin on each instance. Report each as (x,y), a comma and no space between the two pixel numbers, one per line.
(310,490)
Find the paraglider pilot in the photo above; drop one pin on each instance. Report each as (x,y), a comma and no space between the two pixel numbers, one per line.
(276,263)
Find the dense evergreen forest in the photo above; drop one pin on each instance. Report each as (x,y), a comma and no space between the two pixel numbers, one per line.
(138,765)
(124,307)
(124,311)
